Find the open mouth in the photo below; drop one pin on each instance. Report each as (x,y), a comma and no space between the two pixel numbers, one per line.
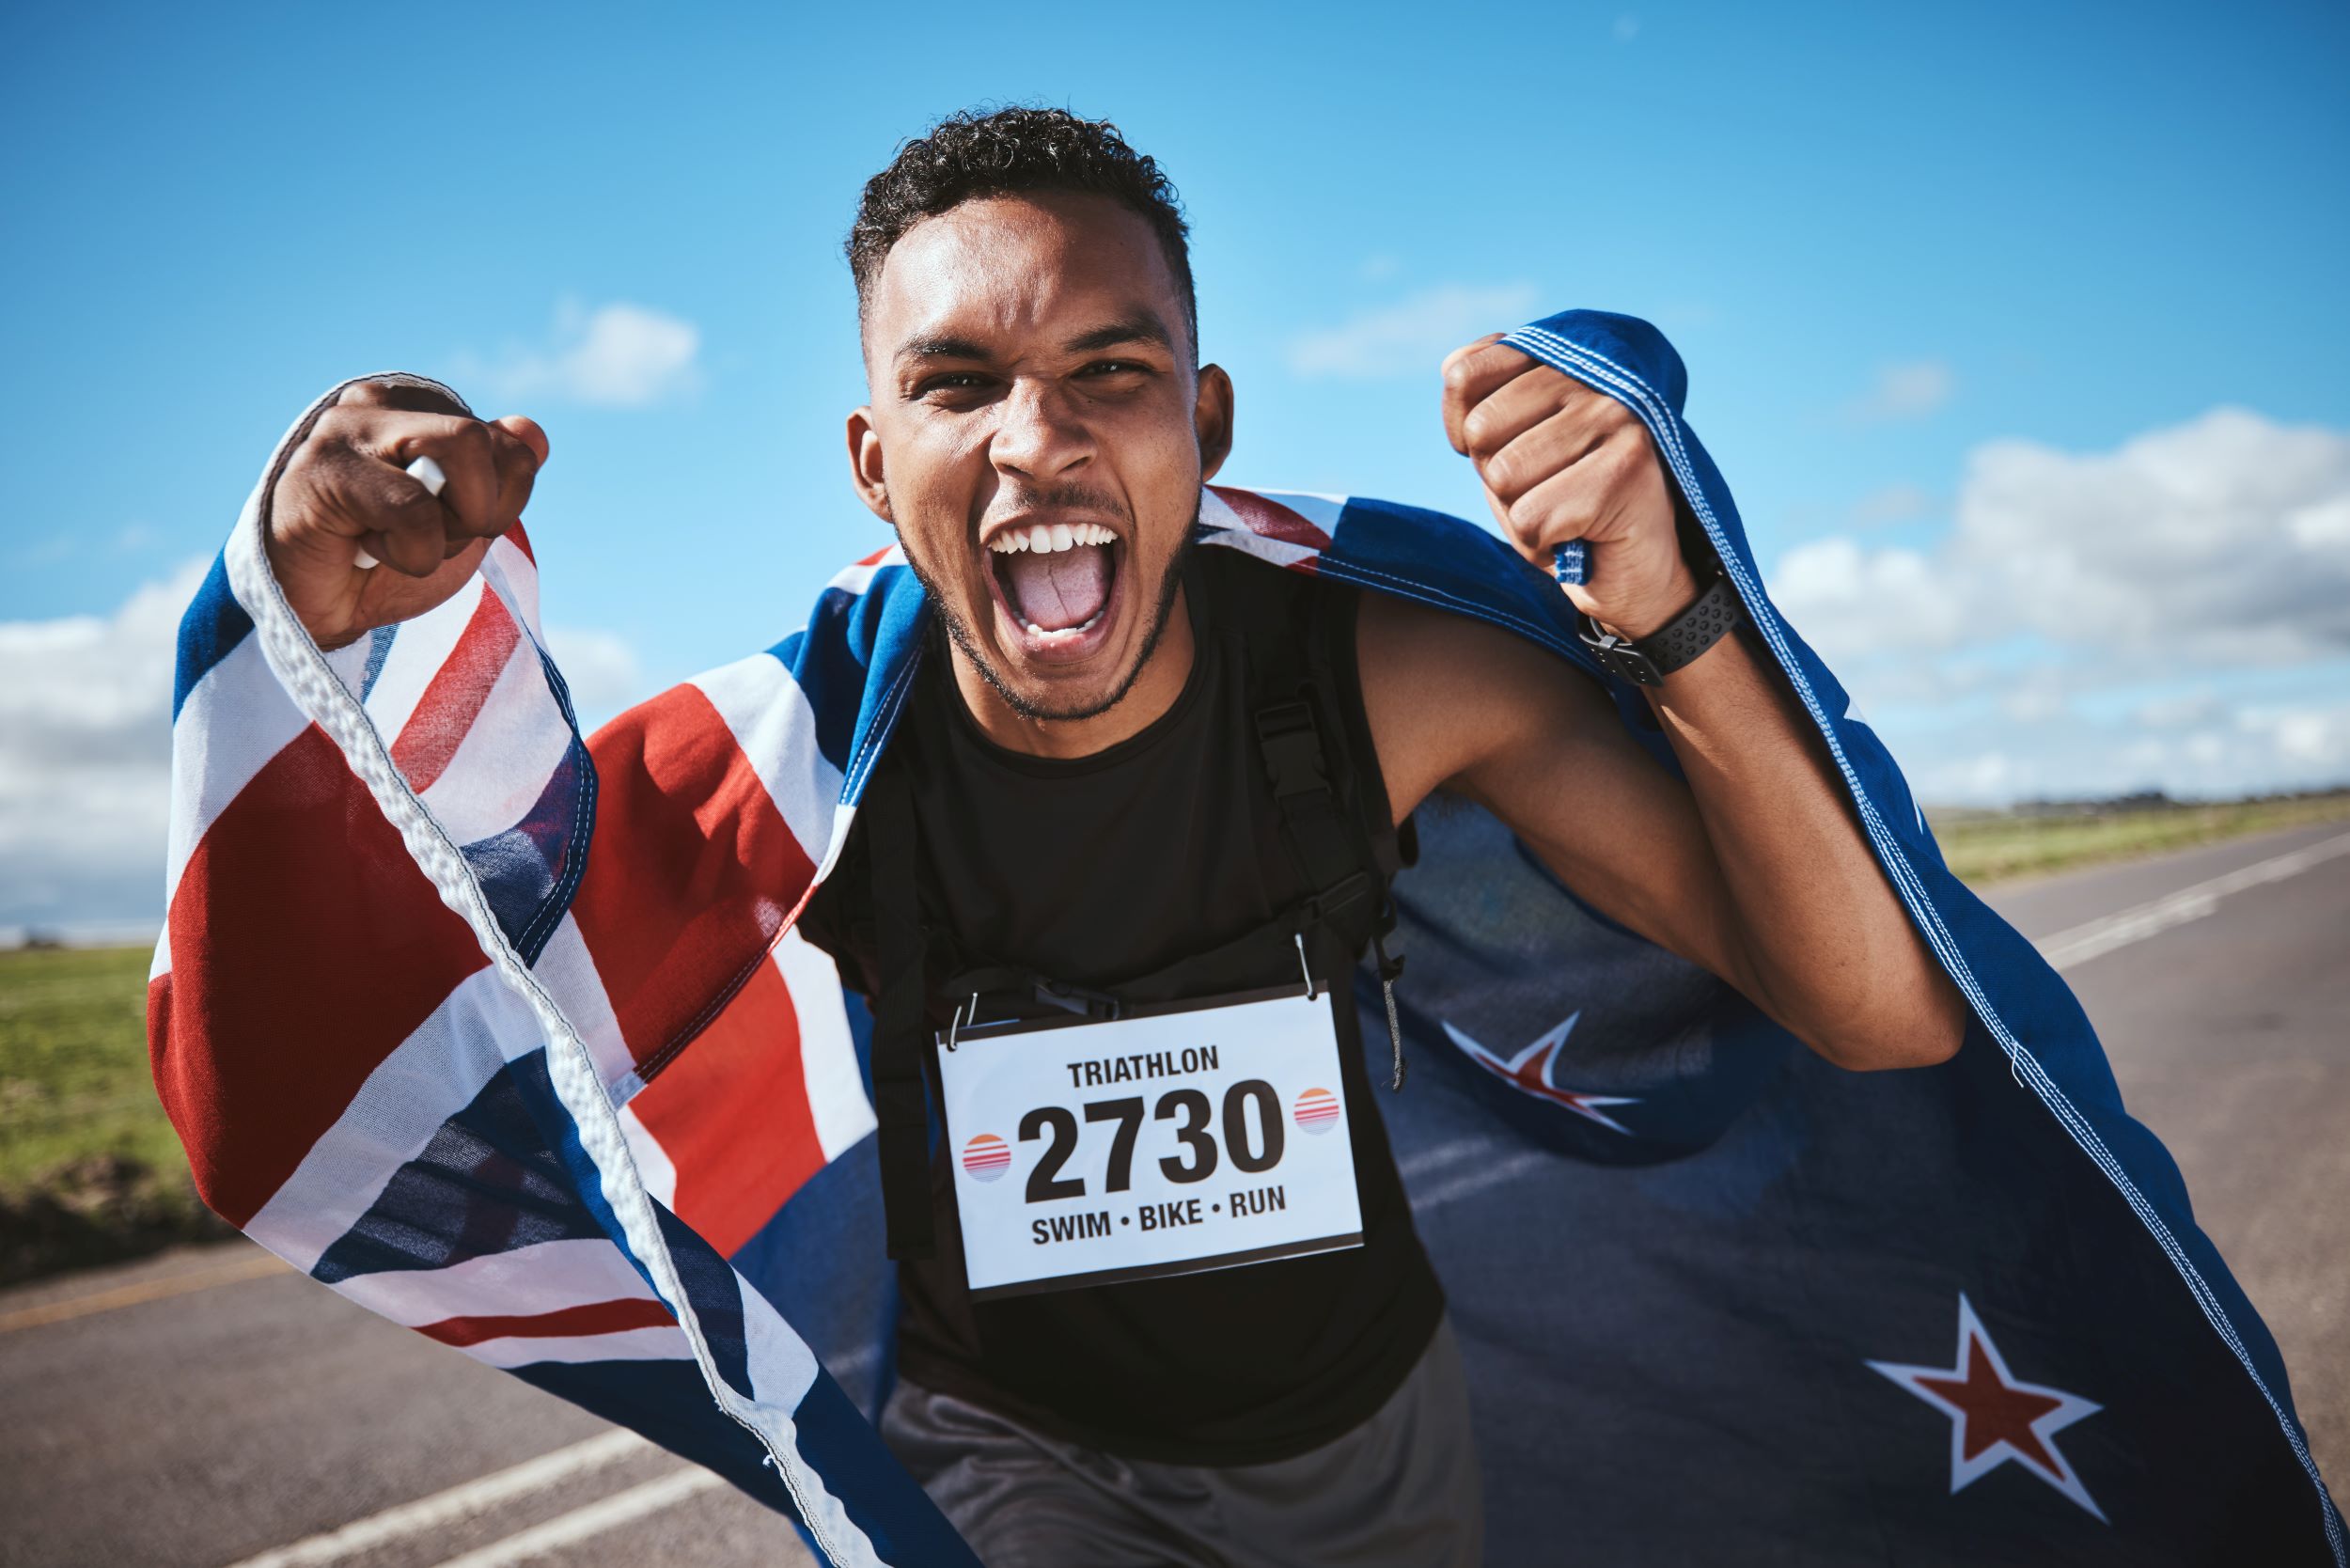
(1057,583)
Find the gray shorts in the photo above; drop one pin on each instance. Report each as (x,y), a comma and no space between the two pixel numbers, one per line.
(1400,1491)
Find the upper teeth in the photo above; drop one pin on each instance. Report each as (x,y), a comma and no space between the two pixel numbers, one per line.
(1045,538)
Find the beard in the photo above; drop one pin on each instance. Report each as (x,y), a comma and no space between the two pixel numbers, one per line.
(960,630)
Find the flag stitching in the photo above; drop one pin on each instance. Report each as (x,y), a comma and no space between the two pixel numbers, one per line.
(303,667)
(1914,894)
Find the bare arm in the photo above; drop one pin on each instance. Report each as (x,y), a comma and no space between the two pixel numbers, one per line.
(1755,868)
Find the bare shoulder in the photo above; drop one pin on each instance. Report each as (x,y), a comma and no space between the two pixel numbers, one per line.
(1445,693)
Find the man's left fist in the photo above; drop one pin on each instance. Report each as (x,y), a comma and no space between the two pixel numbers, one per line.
(1559,462)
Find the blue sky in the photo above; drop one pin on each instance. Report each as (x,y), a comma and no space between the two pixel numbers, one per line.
(2018,334)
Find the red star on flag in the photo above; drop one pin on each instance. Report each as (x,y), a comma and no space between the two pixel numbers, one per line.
(1994,1418)
(1530,1071)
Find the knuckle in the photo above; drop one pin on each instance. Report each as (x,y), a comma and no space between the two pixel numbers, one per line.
(415,517)
(1503,472)
(1481,429)
(467,449)
(448,440)
(1631,457)
(365,394)
(1527,523)
(335,425)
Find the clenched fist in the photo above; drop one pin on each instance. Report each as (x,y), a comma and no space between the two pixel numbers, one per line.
(346,489)
(1562,462)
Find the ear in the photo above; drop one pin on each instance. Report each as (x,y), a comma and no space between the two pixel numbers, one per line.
(865,464)
(1212,417)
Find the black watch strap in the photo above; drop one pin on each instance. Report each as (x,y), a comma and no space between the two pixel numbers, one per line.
(1712,616)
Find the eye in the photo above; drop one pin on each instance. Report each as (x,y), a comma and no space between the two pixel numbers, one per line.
(952,381)
(1115,367)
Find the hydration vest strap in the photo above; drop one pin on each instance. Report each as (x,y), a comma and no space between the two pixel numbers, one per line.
(1292,742)
(901,1019)
(1326,844)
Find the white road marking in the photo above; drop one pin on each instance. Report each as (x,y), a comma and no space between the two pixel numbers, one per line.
(2067,948)
(2063,950)
(582,1524)
(458,1502)
(1474,1182)
(1429,1161)
(232,1271)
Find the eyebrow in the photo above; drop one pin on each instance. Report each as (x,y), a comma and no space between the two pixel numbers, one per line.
(1141,326)
(940,347)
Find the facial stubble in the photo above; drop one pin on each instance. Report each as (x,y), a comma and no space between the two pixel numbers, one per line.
(965,638)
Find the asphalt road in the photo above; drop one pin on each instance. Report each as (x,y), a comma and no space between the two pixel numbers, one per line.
(206,1409)
(2229,1034)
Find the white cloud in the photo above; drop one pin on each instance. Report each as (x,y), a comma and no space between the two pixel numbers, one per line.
(1852,601)
(1412,336)
(86,762)
(2221,544)
(601,669)
(2184,545)
(85,755)
(2318,736)
(1996,758)
(1910,390)
(1892,503)
(2180,709)
(2324,526)
(615,355)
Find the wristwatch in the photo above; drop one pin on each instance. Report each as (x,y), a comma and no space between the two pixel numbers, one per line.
(1715,614)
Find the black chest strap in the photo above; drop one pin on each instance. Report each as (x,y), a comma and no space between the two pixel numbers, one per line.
(900,1016)
(1343,856)
(1346,863)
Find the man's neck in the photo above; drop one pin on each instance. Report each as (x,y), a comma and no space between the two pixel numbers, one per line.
(1164,673)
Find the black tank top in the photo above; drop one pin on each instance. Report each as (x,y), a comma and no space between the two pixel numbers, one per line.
(1153,870)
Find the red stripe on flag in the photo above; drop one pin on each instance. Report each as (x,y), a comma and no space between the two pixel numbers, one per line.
(1271,519)
(452,700)
(521,540)
(593,1317)
(731,1113)
(689,875)
(306,945)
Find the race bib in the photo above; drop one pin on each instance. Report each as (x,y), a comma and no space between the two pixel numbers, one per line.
(1195,1138)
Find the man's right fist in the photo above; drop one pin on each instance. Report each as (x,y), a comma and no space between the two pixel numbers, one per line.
(346,489)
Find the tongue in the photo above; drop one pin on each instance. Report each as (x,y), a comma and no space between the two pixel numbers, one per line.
(1065,589)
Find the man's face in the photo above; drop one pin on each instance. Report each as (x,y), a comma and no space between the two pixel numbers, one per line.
(1038,437)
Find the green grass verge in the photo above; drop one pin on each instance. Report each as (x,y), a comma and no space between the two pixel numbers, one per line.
(1988,847)
(90,1169)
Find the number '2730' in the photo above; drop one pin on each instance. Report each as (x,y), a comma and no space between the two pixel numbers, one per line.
(1188,1108)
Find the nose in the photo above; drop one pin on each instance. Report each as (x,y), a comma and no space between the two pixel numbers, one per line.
(1040,435)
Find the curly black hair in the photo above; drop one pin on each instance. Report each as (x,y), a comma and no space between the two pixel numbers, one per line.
(973,155)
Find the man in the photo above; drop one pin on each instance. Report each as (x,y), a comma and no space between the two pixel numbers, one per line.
(1101,814)
(1038,435)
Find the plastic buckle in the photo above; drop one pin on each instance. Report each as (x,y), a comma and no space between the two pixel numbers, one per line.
(1617,656)
(1292,749)
(1099,1005)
